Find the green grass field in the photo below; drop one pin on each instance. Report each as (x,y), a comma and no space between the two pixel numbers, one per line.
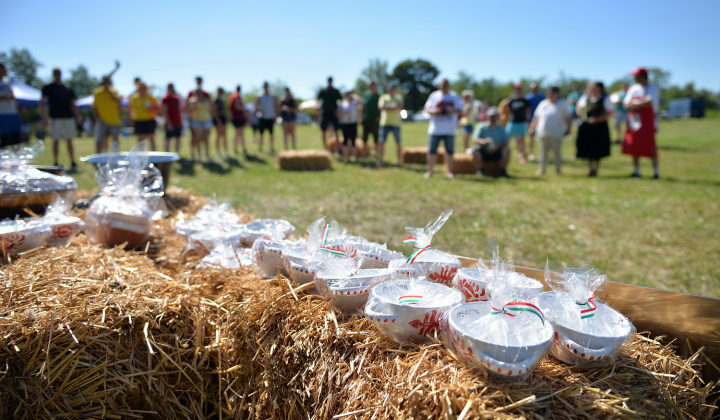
(659,233)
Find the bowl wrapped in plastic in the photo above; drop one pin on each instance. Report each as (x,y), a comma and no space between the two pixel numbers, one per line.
(435,265)
(62,224)
(21,235)
(275,229)
(346,285)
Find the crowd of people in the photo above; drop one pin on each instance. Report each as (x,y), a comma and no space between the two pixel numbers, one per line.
(487,131)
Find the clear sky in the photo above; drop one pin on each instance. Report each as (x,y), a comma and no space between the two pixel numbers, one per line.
(302,42)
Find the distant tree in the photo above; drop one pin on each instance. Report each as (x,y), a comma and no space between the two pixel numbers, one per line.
(81,81)
(21,64)
(376,70)
(659,77)
(463,81)
(417,80)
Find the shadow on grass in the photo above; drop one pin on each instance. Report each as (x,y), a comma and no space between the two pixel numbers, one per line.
(255,159)
(185,167)
(235,162)
(665,179)
(676,148)
(215,167)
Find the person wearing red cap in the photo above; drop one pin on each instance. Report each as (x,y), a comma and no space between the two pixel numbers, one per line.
(519,110)
(642,102)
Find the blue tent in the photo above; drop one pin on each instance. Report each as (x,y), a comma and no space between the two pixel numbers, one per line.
(25,95)
(87,102)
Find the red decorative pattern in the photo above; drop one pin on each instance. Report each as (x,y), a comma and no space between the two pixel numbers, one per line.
(472,291)
(12,240)
(62,231)
(430,324)
(445,275)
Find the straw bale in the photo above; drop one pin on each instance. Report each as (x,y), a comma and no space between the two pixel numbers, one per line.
(464,163)
(91,332)
(332,146)
(304,160)
(419,155)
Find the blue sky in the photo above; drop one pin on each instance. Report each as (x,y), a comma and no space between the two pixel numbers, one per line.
(301,43)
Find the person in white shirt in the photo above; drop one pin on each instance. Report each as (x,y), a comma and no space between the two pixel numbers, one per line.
(349,115)
(551,122)
(267,106)
(642,101)
(444,107)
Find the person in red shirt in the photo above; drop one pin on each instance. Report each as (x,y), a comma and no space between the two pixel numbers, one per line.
(239,119)
(172,118)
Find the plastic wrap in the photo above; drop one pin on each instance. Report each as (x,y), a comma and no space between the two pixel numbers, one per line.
(506,337)
(588,331)
(131,198)
(212,236)
(474,282)
(62,224)
(268,257)
(436,266)
(408,309)
(208,216)
(275,229)
(345,284)
(227,256)
(22,235)
(24,186)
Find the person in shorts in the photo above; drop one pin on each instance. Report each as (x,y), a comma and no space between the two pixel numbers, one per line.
(10,123)
(445,108)
(201,120)
(491,143)
(220,119)
(519,110)
(63,115)
(172,118)
(534,98)
(288,113)
(621,114)
(370,115)
(267,107)
(239,118)
(143,110)
(348,111)
(390,105)
(329,98)
(467,121)
(106,111)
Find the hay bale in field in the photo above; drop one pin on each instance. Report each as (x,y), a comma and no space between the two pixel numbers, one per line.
(304,160)
(96,332)
(464,163)
(332,147)
(419,155)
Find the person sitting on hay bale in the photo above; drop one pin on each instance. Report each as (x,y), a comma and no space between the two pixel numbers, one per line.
(492,144)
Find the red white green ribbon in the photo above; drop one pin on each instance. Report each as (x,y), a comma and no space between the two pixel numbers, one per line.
(515,308)
(357,267)
(325,233)
(409,300)
(591,307)
(418,251)
(333,251)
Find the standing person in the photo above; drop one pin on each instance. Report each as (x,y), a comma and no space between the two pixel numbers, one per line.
(63,114)
(492,143)
(444,107)
(642,102)
(534,98)
(551,122)
(199,109)
(370,116)
(288,113)
(220,119)
(254,121)
(106,110)
(467,121)
(239,118)
(390,105)
(348,124)
(620,112)
(519,109)
(267,106)
(143,110)
(171,118)
(329,96)
(572,99)
(593,136)
(10,122)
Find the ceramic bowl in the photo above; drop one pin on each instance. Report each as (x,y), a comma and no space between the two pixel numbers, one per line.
(373,255)
(349,294)
(407,309)
(442,272)
(595,340)
(529,288)
(268,257)
(472,282)
(63,228)
(507,357)
(21,235)
(300,269)
(266,228)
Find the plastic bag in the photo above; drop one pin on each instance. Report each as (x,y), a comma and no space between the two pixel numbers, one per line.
(267,256)
(274,229)
(436,266)
(128,202)
(474,282)
(205,241)
(506,337)
(410,309)
(208,216)
(62,224)
(345,284)
(588,331)
(21,235)
(227,256)
(24,186)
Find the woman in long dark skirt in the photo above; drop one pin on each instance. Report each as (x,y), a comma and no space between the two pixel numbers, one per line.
(593,137)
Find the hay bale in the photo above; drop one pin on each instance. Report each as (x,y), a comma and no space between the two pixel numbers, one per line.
(419,155)
(464,163)
(304,160)
(95,332)
(332,147)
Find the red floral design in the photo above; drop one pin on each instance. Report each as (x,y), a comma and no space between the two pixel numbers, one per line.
(445,275)
(62,231)
(470,290)
(12,240)
(430,324)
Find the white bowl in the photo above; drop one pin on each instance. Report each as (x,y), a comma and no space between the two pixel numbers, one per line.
(20,235)
(300,270)
(349,294)
(442,272)
(505,356)
(529,288)
(268,257)
(372,255)
(63,228)
(390,306)
(595,340)
(472,282)
(266,228)
(206,241)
